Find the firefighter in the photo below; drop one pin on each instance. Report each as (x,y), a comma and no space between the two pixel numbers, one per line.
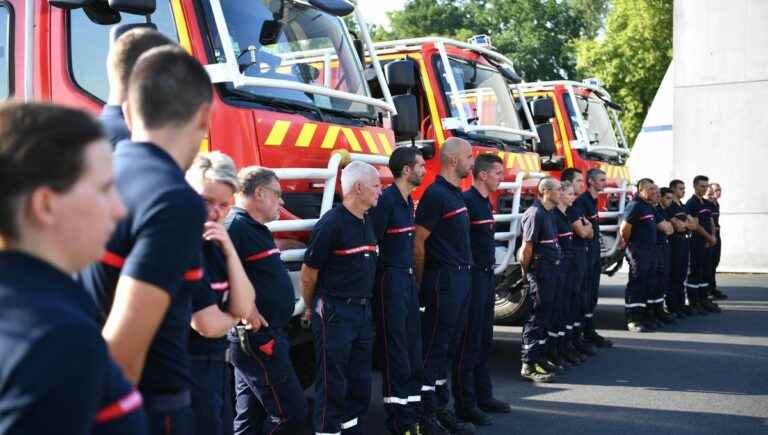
(396,299)
(583,233)
(638,232)
(270,399)
(673,295)
(713,196)
(123,54)
(337,280)
(442,258)
(680,253)
(225,296)
(570,311)
(58,207)
(139,282)
(655,311)
(704,238)
(540,260)
(587,203)
(471,382)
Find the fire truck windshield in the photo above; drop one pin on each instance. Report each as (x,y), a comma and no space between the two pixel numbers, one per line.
(294,42)
(484,95)
(600,125)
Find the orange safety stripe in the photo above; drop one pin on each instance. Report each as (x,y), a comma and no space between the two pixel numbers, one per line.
(357,250)
(400,230)
(118,261)
(568,234)
(194,274)
(548,241)
(127,404)
(453,213)
(482,222)
(263,254)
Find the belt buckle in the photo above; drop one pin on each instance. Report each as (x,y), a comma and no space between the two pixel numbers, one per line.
(410,271)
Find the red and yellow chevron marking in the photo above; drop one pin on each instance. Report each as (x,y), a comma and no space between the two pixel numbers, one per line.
(522,162)
(611,171)
(309,135)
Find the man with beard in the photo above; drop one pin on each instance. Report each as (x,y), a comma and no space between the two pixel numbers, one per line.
(396,299)
(443,257)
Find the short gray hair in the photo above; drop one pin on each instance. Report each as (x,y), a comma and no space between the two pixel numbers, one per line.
(548,183)
(214,166)
(355,172)
(252,177)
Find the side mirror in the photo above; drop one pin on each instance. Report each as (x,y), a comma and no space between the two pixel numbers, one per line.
(427,149)
(406,122)
(270,32)
(138,7)
(510,74)
(546,144)
(67,4)
(401,76)
(339,8)
(553,163)
(542,110)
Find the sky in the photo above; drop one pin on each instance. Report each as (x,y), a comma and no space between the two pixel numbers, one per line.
(375,11)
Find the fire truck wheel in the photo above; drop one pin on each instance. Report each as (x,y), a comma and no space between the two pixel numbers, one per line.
(511,291)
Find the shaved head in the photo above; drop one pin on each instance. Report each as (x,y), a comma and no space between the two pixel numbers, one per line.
(451,148)
(456,157)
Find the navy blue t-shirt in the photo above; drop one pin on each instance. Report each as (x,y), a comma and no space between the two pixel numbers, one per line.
(443,212)
(677,211)
(392,220)
(212,290)
(585,206)
(481,228)
(56,375)
(540,228)
(159,242)
(661,216)
(715,213)
(701,209)
(642,217)
(564,232)
(344,249)
(111,119)
(275,296)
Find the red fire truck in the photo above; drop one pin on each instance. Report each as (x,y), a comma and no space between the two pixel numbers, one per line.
(273,104)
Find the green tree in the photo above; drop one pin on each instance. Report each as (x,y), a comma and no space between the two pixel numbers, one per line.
(631,57)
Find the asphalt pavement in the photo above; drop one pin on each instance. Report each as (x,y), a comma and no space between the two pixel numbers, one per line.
(705,375)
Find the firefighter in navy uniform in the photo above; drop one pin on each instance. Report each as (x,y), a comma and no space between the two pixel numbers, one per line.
(57,377)
(396,299)
(655,304)
(124,51)
(471,383)
(270,399)
(638,233)
(540,259)
(673,296)
(679,252)
(443,257)
(583,233)
(704,238)
(337,280)
(139,284)
(225,295)
(713,196)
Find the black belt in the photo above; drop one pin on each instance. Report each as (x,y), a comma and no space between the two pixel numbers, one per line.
(484,268)
(459,267)
(223,356)
(159,403)
(362,301)
(402,268)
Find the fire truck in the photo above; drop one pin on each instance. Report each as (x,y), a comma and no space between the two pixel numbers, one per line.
(275,105)
(588,134)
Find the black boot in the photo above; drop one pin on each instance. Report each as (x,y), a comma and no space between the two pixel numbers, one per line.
(663,316)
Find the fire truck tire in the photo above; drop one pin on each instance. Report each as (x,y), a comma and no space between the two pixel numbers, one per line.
(511,304)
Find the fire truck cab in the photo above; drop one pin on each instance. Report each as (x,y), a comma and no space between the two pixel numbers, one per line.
(588,135)
(274,104)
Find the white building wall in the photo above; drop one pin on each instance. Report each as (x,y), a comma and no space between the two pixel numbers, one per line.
(721,117)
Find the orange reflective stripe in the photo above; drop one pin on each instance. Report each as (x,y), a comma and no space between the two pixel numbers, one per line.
(482,222)
(262,255)
(400,230)
(194,274)
(353,251)
(126,405)
(112,259)
(453,213)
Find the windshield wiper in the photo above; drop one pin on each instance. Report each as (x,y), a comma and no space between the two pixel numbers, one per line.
(278,103)
(345,114)
(503,145)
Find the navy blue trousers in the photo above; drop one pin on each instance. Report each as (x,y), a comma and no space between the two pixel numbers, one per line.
(269,397)
(445,297)
(398,325)
(471,381)
(212,395)
(678,271)
(642,262)
(176,422)
(661,277)
(343,334)
(543,280)
(700,271)
(576,276)
(568,289)
(591,287)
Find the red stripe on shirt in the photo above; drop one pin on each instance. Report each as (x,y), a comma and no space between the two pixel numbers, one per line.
(565,234)
(194,274)
(647,216)
(548,241)
(127,404)
(482,222)
(263,254)
(112,259)
(359,249)
(451,214)
(400,230)
(220,286)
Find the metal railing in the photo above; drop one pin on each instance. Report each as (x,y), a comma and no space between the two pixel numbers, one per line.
(619,215)
(329,175)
